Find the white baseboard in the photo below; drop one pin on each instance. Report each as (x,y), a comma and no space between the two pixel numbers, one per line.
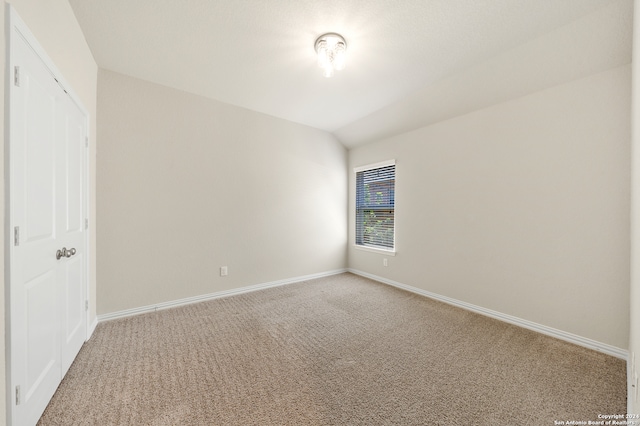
(543,329)
(211,296)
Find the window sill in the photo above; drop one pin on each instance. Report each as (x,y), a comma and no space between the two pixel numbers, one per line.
(375,250)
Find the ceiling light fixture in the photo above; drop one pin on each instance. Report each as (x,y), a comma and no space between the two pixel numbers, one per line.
(331,49)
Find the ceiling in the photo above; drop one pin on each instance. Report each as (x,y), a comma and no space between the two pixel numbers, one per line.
(403,56)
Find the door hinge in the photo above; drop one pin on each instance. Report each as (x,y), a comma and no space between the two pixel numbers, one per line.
(16,236)
(18,401)
(86,141)
(86,305)
(86,224)
(16,76)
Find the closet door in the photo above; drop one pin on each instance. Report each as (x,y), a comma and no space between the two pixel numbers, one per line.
(70,227)
(47,189)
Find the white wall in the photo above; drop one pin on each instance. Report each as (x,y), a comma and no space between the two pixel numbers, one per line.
(633,393)
(54,25)
(521,207)
(187,184)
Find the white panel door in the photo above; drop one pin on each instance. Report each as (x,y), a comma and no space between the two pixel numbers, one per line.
(47,198)
(70,167)
(35,339)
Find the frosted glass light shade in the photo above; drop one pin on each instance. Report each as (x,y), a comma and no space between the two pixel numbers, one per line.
(331,49)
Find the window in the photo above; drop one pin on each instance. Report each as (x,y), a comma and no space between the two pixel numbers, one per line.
(375,205)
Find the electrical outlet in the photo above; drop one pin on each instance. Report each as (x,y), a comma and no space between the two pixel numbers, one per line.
(224,271)
(385,262)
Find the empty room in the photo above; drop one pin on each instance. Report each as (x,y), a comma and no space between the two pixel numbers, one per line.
(359,212)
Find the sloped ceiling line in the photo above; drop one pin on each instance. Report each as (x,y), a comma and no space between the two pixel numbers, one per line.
(409,63)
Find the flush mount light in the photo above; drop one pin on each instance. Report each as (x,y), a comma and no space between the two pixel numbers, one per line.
(331,49)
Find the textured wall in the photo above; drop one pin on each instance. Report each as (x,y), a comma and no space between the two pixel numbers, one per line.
(522,207)
(187,184)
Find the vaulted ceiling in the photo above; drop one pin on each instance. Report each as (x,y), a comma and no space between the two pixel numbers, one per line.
(409,62)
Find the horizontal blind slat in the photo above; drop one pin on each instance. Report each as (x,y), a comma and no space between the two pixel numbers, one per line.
(375,207)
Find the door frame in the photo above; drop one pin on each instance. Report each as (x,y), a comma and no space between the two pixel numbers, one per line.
(13,23)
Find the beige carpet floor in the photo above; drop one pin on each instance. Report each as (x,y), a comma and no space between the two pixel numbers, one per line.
(342,350)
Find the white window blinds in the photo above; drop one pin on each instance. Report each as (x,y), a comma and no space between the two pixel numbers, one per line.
(375,205)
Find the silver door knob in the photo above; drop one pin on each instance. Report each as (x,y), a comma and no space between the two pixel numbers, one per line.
(61,253)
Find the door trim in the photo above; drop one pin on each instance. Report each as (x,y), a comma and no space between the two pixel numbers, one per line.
(13,24)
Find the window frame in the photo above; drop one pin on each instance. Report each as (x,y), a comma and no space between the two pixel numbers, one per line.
(371,248)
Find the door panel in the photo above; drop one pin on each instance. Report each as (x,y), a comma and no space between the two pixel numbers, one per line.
(35,339)
(74,166)
(38,106)
(73,318)
(47,193)
(70,201)
(42,342)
